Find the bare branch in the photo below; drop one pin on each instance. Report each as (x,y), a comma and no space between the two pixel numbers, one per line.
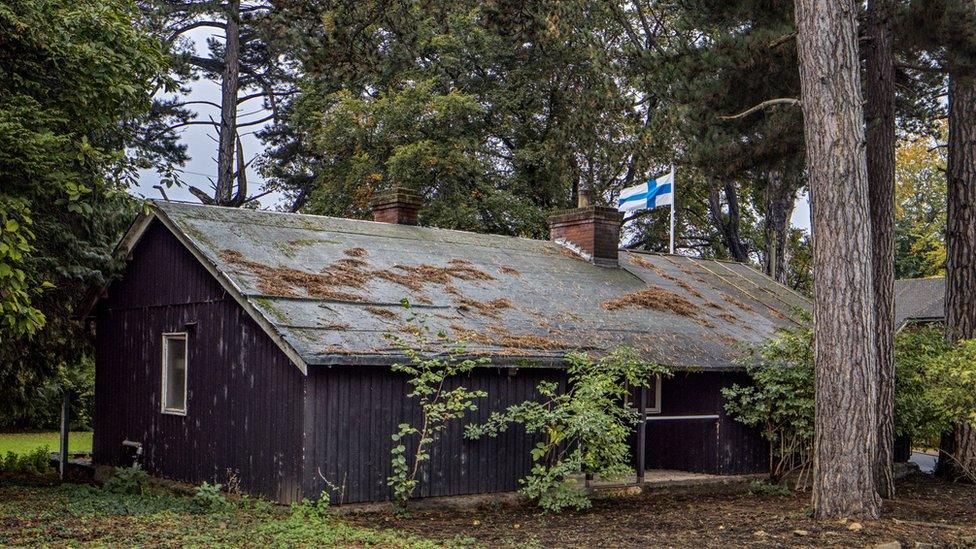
(256,122)
(763,105)
(211,103)
(177,32)
(781,40)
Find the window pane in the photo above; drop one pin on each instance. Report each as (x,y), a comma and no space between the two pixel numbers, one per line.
(175,374)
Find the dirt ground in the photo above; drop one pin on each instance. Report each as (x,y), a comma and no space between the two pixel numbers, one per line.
(927,513)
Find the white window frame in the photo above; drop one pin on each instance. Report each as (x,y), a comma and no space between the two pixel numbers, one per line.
(186,372)
(656,408)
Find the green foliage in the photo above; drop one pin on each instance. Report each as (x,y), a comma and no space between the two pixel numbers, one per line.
(75,72)
(920,210)
(780,400)
(208,497)
(17,314)
(35,462)
(583,427)
(310,524)
(495,112)
(433,377)
(935,381)
(799,269)
(39,407)
(127,480)
(933,389)
(760,488)
(42,512)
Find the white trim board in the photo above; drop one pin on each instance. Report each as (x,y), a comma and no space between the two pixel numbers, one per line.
(671,418)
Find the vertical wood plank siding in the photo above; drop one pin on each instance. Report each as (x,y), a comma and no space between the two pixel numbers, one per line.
(244,398)
(719,446)
(354,411)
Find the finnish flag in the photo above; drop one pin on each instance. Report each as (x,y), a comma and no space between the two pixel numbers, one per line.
(654,193)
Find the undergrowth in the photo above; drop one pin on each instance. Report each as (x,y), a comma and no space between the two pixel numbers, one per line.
(130,511)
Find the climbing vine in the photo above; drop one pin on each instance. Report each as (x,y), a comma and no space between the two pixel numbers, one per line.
(583,427)
(435,361)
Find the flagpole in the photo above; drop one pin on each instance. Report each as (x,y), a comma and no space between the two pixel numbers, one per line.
(674,198)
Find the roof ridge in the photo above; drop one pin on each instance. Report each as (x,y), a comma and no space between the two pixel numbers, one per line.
(162,204)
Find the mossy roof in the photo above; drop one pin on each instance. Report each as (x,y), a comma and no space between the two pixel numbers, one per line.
(330,289)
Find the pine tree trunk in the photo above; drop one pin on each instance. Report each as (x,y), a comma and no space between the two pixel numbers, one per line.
(228,106)
(881,182)
(960,296)
(845,431)
(728,225)
(779,197)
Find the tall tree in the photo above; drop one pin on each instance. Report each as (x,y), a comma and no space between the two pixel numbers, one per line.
(960,300)
(880,124)
(246,66)
(76,74)
(845,437)
(497,111)
(920,205)
(737,80)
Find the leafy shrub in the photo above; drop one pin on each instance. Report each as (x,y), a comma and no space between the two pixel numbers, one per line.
(42,410)
(780,400)
(209,498)
(429,371)
(933,389)
(583,429)
(35,462)
(127,480)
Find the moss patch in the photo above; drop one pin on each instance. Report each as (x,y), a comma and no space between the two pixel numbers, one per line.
(490,309)
(382,313)
(654,298)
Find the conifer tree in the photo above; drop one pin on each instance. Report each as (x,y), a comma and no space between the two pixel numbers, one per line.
(845,432)
(880,128)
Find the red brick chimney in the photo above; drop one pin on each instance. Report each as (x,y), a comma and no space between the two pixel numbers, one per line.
(591,231)
(398,206)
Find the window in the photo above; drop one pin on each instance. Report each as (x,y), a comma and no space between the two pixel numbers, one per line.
(654,397)
(174,374)
(653,403)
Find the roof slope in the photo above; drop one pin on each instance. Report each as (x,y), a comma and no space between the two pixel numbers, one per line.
(919,299)
(331,288)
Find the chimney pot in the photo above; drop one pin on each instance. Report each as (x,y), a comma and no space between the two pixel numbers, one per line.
(593,231)
(398,206)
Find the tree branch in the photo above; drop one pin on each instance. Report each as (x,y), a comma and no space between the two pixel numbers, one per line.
(177,32)
(763,105)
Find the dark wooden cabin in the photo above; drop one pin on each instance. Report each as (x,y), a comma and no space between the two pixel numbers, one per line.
(250,343)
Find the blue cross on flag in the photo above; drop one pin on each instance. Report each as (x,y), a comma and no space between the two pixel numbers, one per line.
(646,196)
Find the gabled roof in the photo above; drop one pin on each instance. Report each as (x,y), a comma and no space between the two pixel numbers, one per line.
(328,289)
(919,300)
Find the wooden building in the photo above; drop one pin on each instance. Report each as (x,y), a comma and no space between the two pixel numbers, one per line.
(250,343)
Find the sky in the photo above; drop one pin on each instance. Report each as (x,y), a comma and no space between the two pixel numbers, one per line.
(202,148)
(201,141)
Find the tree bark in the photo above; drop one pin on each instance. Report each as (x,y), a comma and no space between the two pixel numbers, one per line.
(224,195)
(960,299)
(728,225)
(880,113)
(779,196)
(845,431)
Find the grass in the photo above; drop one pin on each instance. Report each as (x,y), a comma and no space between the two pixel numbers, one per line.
(24,443)
(38,511)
